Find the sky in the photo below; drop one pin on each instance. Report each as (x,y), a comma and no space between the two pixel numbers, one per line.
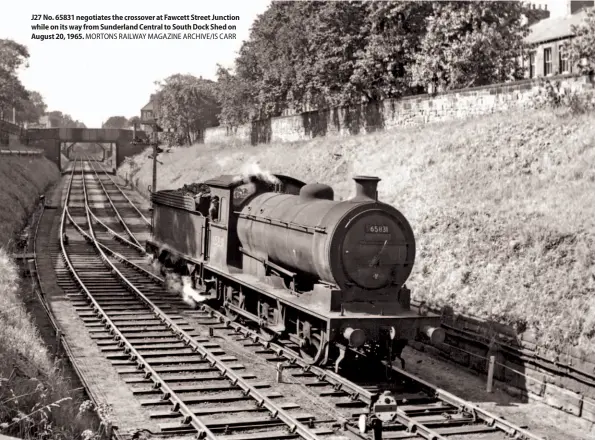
(557,8)
(92,80)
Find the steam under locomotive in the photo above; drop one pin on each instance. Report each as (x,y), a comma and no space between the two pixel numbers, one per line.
(326,275)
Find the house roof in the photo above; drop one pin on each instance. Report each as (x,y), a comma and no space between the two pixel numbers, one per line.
(148,106)
(554,28)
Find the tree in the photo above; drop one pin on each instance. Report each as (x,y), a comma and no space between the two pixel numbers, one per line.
(187,105)
(470,44)
(55,117)
(394,31)
(299,55)
(304,55)
(337,37)
(116,122)
(12,56)
(236,98)
(265,67)
(134,122)
(31,109)
(582,46)
(62,120)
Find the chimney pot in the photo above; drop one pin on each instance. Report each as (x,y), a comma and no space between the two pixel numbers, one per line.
(366,187)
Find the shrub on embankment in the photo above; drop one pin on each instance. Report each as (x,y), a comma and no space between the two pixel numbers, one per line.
(35,397)
(23,179)
(503,208)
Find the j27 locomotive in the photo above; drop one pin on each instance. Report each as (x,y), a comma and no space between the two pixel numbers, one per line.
(326,275)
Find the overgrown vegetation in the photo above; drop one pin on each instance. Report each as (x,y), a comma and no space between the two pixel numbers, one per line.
(555,96)
(23,179)
(582,46)
(502,207)
(308,55)
(36,401)
(302,56)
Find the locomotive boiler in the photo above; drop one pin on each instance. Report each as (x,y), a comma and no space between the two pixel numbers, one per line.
(327,275)
(351,244)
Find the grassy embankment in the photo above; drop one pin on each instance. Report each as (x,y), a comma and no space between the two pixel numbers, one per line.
(503,208)
(34,394)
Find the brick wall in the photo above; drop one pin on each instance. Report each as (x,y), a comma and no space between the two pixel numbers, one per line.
(414,110)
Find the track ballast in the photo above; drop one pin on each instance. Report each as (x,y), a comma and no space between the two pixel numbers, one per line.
(185,378)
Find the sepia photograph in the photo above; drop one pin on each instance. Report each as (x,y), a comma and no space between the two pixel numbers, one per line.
(308,219)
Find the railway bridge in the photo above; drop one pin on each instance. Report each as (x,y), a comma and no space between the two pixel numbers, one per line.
(61,144)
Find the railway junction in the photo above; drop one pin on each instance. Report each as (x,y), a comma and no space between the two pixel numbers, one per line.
(171,368)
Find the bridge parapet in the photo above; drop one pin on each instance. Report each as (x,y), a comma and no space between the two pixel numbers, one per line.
(50,140)
(84,134)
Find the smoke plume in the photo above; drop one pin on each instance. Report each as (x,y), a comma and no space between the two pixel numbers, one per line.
(253,169)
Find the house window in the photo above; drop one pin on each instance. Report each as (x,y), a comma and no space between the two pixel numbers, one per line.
(564,61)
(547,61)
(532,64)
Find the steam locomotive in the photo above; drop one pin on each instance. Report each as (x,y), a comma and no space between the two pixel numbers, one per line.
(326,275)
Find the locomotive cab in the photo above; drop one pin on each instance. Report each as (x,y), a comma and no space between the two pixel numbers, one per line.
(232,193)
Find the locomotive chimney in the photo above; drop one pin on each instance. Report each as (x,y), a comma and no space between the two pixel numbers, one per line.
(366,187)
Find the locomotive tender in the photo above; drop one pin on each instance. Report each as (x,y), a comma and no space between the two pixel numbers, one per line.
(326,275)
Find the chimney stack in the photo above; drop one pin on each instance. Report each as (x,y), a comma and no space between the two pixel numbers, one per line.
(366,187)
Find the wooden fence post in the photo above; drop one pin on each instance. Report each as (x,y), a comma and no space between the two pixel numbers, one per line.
(279,373)
(490,382)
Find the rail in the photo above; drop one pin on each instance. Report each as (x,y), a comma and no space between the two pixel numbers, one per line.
(147,221)
(464,405)
(109,199)
(190,418)
(355,391)
(203,431)
(116,235)
(534,359)
(60,339)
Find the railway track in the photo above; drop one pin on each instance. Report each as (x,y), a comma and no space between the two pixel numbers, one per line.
(167,352)
(176,365)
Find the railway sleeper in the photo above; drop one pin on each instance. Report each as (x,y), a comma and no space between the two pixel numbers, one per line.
(249,423)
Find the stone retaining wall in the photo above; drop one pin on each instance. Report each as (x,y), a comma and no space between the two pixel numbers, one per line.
(391,113)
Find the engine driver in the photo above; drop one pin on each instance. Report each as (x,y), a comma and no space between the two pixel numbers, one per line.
(214,209)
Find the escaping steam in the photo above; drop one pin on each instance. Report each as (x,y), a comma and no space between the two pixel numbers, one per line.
(182,285)
(253,169)
(190,295)
(176,284)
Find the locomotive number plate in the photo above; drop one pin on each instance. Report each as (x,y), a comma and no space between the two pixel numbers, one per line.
(377,229)
(218,241)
